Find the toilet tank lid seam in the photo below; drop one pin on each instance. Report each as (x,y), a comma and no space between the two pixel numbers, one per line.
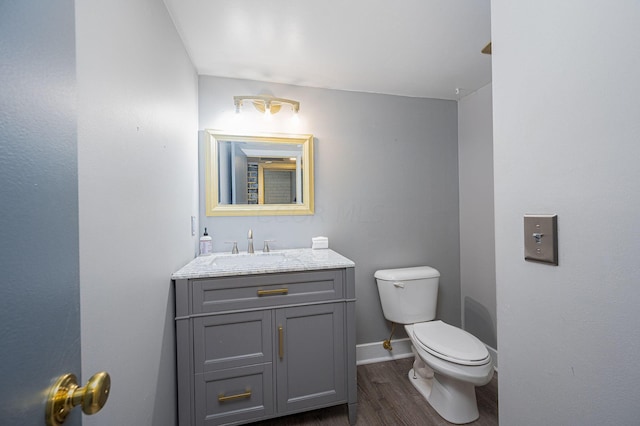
(405,274)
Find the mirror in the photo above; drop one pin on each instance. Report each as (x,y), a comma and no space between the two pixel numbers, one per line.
(258,174)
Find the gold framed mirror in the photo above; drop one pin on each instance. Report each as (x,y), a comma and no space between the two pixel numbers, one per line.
(258,174)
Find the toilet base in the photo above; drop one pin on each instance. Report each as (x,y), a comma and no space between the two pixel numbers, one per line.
(454,400)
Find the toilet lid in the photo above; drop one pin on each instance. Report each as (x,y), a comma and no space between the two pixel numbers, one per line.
(450,343)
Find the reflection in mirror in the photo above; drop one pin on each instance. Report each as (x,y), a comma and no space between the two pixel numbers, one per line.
(258,174)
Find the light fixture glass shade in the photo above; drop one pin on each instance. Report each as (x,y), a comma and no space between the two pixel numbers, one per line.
(265,103)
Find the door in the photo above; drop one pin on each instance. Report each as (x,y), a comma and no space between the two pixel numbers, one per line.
(39,303)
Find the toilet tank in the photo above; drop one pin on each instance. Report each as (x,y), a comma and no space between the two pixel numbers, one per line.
(408,295)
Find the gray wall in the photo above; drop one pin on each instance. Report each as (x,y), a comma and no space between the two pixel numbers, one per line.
(477,240)
(386,184)
(566,131)
(137,166)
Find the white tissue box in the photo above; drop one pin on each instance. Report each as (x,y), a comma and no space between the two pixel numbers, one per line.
(319,243)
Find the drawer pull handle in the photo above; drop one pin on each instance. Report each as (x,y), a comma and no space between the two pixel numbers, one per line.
(223,398)
(274,291)
(281,341)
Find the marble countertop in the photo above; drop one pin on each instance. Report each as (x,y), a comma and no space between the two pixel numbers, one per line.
(226,264)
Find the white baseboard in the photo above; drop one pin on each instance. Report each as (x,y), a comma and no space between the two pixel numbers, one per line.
(368,353)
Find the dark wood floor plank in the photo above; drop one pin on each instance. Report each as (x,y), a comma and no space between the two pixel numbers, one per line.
(387,398)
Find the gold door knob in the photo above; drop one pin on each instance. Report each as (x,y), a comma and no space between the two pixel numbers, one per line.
(66,394)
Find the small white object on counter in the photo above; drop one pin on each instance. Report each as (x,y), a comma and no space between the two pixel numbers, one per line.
(319,243)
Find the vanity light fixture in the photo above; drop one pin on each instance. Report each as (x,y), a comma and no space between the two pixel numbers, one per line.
(265,103)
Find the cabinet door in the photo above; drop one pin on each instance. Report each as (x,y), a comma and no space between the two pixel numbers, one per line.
(310,357)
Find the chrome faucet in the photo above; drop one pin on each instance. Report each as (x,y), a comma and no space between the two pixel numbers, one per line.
(250,238)
(234,250)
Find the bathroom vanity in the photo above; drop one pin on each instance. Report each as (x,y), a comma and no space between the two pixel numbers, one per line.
(264,335)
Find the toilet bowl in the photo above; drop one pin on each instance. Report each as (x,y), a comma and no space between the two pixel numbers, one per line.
(449,362)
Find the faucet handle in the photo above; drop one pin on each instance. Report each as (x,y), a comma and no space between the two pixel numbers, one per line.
(266,248)
(234,250)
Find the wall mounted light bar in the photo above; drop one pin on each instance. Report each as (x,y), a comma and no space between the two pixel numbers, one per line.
(265,103)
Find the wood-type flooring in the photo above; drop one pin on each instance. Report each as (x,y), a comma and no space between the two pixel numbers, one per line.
(386,398)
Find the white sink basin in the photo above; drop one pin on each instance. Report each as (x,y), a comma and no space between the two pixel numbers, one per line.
(249,260)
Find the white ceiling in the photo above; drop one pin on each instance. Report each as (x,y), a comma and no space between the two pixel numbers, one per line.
(421,48)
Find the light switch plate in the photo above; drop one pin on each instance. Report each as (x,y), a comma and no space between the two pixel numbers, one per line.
(541,238)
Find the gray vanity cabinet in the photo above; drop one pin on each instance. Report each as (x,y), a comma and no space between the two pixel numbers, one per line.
(253,347)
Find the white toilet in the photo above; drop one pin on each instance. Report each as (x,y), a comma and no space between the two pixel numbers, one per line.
(449,362)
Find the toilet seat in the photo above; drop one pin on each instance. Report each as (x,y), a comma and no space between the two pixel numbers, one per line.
(450,343)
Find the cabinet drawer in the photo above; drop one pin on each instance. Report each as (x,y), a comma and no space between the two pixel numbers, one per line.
(234,395)
(255,291)
(231,340)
